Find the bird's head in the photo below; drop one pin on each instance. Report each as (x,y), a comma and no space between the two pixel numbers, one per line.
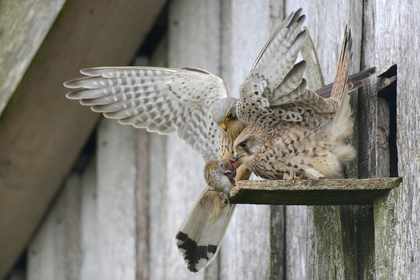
(224,112)
(246,146)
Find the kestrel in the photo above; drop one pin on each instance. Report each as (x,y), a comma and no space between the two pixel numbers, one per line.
(194,103)
(304,135)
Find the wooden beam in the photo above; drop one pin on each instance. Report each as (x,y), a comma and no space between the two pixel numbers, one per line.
(18,22)
(41,132)
(312,192)
(397,220)
(243,35)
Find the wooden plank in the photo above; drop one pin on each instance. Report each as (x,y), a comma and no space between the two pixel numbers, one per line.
(278,233)
(89,223)
(365,227)
(300,244)
(193,40)
(142,192)
(160,237)
(65,246)
(142,206)
(372,157)
(116,178)
(325,259)
(246,28)
(396,220)
(277,240)
(18,22)
(348,214)
(297,247)
(35,160)
(312,192)
(55,251)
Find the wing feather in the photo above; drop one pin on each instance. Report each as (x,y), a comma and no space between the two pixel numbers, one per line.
(275,90)
(275,78)
(162,100)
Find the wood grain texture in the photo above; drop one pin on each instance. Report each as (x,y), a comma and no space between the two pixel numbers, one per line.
(373,150)
(326,22)
(396,220)
(18,22)
(142,205)
(176,171)
(245,252)
(161,238)
(55,251)
(312,192)
(65,246)
(89,223)
(263,242)
(116,178)
(41,132)
(368,120)
(278,240)
(278,233)
(297,247)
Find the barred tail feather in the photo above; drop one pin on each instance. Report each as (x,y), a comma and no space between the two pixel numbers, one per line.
(200,235)
(341,125)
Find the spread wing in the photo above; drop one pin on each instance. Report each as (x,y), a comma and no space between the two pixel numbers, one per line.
(275,90)
(162,100)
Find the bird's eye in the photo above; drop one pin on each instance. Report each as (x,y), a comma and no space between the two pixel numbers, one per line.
(229,116)
(242,145)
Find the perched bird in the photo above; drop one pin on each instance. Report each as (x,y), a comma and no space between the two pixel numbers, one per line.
(304,135)
(189,101)
(200,235)
(194,103)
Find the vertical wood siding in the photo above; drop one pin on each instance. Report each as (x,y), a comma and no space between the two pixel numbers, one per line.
(117,219)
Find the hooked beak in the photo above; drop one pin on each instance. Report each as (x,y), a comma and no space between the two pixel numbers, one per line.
(236,155)
(225,125)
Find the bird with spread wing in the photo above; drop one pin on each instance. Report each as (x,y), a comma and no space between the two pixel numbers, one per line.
(194,104)
(296,133)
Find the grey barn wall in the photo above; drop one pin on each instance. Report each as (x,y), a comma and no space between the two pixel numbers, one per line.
(117,218)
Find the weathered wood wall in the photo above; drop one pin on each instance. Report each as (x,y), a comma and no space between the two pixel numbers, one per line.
(41,133)
(117,218)
(19,22)
(327,244)
(397,222)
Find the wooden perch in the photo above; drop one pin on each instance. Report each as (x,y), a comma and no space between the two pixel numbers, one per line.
(312,192)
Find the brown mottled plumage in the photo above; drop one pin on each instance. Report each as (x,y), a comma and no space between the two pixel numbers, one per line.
(314,149)
(194,103)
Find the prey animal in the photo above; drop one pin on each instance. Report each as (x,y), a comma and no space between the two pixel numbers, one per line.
(220,176)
